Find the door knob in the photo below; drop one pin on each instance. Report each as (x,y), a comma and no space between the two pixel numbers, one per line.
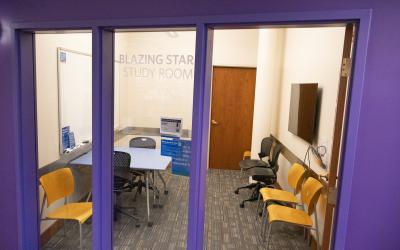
(214,122)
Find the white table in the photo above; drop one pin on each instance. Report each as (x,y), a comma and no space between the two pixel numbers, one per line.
(141,159)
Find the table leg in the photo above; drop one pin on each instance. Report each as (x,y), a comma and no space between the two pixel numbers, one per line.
(153,183)
(149,223)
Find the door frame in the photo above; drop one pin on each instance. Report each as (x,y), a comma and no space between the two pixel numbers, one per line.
(25,116)
(339,130)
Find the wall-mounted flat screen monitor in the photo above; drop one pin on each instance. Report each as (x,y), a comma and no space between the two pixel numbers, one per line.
(303,108)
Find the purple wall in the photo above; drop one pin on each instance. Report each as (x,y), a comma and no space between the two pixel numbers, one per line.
(8,211)
(373,220)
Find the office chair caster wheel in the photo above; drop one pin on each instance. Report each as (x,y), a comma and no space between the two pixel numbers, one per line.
(236,191)
(155,205)
(241,205)
(150,224)
(137,225)
(165,192)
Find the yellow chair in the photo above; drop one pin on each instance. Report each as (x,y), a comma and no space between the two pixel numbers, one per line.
(246,155)
(60,184)
(295,178)
(310,193)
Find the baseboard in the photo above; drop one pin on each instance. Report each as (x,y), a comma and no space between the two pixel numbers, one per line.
(50,232)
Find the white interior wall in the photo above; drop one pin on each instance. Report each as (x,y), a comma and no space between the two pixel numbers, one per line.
(312,55)
(75,91)
(145,95)
(151,89)
(267,92)
(236,48)
(47,88)
(116,96)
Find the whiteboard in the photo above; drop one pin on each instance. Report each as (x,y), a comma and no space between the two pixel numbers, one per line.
(75,94)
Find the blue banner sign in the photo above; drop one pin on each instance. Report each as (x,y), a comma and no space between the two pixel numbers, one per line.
(180,151)
(170,146)
(65,132)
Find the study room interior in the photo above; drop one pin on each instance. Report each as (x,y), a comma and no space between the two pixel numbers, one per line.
(278,105)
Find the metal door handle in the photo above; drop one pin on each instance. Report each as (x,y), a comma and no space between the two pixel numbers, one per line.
(214,122)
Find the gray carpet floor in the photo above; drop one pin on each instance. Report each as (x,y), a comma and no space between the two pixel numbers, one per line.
(227,225)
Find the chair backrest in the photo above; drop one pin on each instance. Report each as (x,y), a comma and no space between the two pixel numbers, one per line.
(121,163)
(142,142)
(266,145)
(310,193)
(57,184)
(273,162)
(295,176)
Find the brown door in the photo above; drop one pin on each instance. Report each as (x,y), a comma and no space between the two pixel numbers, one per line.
(231,115)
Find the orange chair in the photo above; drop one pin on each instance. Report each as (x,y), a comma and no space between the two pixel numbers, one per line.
(60,184)
(310,193)
(295,178)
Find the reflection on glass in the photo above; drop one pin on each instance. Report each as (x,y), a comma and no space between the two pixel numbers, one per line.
(153,90)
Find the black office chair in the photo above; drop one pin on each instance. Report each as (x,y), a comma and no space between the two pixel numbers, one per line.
(142,142)
(265,151)
(147,142)
(123,182)
(266,145)
(264,176)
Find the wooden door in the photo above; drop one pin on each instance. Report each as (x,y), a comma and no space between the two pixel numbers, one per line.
(231,115)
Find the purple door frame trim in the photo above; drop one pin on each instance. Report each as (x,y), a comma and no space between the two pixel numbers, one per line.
(26,170)
(103,137)
(350,137)
(25,118)
(200,131)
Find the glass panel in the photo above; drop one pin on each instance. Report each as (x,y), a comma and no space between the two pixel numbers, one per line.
(64,121)
(153,119)
(255,76)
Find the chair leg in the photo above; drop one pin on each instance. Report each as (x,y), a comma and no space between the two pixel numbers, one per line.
(80,236)
(269,235)
(250,186)
(258,204)
(163,181)
(254,195)
(65,228)
(119,210)
(263,219)
(316,229)
(247,200)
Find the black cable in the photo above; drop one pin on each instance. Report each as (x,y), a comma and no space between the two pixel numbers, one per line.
(318,152)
